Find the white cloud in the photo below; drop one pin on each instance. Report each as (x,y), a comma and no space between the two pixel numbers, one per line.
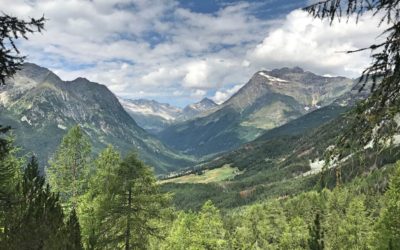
(316,45)
(155,48)
(221,96)
(197,75)
(198,94)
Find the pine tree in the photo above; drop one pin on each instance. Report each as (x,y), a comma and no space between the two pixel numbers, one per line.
(316,240)
(355,231)
(10,172)
(69,167)
(73,233)
(182,233)
(295,235)
(35,220)
(12,28)
(388,228)
(261,227)
(209,228)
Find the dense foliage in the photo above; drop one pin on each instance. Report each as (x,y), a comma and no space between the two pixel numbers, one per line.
(122,207)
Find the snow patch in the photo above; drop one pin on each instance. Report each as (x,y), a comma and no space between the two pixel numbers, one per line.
(271,78)
(147,110)
(60,126)
(25,119)
(396,139)
(307,108)
(316,167)
(4,98)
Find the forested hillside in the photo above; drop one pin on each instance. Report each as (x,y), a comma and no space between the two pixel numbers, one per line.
(96,205)
(290,160)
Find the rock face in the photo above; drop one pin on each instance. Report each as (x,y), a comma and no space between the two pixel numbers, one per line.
(197,109)
(151,115)
(155,117)
(270,99)
(41,107)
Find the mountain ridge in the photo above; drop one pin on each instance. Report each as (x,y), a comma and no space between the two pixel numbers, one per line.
(154,116)
(268,100)
(41,107)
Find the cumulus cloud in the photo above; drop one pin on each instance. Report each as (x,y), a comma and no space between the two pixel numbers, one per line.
(222,95)
(198,94)
(318,46)
(158,49)
(138,46)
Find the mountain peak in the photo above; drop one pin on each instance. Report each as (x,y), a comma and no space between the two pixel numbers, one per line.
(208,101)
(287,70)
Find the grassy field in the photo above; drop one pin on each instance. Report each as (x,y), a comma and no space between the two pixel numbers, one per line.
(224,173)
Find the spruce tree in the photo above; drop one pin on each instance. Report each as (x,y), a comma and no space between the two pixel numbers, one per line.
(316,240)
(209,229)
(69,168)
(388,228)
(35,220)
(73,233)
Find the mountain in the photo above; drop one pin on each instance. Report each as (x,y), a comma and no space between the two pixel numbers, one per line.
(268,100)
(41,107)
(196,109)
(155,117)
(283,162)
(151,115)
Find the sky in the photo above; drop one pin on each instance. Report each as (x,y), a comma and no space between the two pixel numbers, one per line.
(180,51)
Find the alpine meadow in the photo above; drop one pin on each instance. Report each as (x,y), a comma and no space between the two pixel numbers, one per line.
(199,125)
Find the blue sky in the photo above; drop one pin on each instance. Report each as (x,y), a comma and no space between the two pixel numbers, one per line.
(179,51)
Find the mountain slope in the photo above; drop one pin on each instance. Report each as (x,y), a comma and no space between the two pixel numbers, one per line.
(270,99)
(196,109)
(41,107)
(155,117)
(151,115)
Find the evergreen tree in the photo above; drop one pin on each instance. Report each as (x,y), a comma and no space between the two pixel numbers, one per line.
(335,212)
(73,233)
(316,240)
(35,220)
(210,232)
(132,203)
(389,222)
(12,28)
(69,167)
(10,176)
(94,206)
(183,232)
(355,231)
(261,227)
(10,173)
(295,235)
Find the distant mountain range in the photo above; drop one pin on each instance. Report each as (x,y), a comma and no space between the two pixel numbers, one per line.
(41,107)
(269,100)
(155,117)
